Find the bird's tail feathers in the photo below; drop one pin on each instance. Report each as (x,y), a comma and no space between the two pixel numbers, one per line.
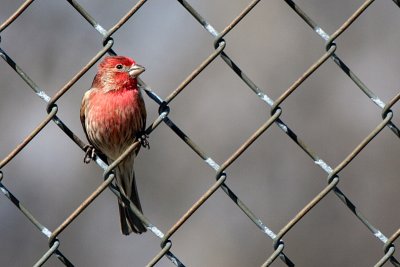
(125,180)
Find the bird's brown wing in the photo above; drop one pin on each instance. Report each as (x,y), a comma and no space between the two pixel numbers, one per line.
(143,113)
(83,118)
(140,120)
(82,112)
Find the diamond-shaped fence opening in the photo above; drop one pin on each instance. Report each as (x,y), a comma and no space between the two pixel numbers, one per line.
(269,145)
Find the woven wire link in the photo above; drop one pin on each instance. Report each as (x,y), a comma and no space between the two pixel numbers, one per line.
(221,176)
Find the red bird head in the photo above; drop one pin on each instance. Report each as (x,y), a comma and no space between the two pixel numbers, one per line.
(117,72)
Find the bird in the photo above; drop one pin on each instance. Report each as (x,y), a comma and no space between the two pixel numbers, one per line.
(113,116)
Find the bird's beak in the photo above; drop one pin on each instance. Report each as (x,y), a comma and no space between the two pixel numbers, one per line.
(135,70)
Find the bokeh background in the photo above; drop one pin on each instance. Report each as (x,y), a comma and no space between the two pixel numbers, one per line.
(274,177)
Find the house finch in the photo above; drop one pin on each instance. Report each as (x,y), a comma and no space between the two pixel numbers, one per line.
(113,116)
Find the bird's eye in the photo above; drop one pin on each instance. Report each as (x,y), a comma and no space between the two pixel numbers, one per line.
(119,66)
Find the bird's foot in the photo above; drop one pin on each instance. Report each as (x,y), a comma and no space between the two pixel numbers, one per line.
(144,142)
(89,154)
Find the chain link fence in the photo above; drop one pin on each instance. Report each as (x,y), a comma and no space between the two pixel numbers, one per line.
(274,108)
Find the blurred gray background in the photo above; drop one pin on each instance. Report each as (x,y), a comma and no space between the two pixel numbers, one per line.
(274,177)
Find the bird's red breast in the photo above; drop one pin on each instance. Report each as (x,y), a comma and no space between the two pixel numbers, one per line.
(116,118)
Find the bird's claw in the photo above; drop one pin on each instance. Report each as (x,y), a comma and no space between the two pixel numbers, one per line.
(89,154)
(144,142)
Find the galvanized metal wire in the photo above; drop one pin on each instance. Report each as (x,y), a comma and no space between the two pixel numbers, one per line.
(221,174)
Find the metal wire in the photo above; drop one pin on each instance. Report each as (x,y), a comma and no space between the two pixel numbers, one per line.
(221,175)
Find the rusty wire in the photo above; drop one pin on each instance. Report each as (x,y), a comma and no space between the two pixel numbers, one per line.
(221,175)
